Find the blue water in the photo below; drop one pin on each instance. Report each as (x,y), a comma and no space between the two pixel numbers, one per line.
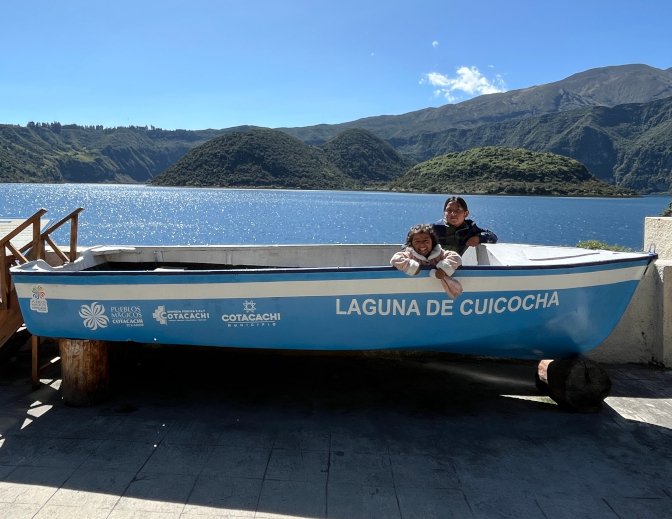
(141,215)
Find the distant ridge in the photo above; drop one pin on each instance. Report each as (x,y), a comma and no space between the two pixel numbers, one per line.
(605,86)
(356,159)
(496,170)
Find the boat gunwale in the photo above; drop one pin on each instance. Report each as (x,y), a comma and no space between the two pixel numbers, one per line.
(19,270)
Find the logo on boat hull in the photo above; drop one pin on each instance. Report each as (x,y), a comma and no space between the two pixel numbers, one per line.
(94,316)
(164,316)
(131,316)
(38,300)
(250,317)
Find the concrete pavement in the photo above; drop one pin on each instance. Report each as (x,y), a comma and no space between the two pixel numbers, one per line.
(214,433)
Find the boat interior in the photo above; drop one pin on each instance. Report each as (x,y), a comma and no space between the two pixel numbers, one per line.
(234,257)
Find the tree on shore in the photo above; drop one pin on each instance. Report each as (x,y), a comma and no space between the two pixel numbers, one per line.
(667,211)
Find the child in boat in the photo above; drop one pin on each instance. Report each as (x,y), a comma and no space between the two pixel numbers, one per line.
(422,248)
(455,232)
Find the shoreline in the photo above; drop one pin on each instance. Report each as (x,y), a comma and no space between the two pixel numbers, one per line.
(363,190)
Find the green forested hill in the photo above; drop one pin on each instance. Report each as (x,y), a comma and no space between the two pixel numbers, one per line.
(627,145)
(70,153)
(270,158)
(496,170)
(258,158)
(361,154)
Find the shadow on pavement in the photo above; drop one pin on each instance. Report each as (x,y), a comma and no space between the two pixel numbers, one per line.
(207,432)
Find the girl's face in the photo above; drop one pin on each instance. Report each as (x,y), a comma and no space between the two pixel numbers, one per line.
(422,243)
(455,215)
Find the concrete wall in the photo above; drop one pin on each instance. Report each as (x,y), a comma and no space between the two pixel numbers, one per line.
(644,334)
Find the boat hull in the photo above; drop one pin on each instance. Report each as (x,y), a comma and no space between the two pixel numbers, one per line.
(507,312)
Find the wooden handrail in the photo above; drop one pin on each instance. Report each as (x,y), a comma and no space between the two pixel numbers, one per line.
(45,236)
(33,219)
(37,245)
(5,280)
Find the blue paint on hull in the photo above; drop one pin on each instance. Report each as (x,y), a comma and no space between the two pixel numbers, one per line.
(555,320)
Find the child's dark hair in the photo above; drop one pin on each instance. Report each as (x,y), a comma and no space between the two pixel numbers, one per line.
(423,228)
(457,199)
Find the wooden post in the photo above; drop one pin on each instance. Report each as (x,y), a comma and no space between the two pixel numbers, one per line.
(35,363)
(577,383)
(84,369)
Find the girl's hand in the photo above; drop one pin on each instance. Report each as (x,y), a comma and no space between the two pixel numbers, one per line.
(440,274)
(473,241)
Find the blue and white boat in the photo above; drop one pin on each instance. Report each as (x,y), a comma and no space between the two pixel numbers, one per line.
(520,301)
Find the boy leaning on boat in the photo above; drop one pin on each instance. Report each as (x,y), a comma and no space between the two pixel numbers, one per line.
(455,232)
(422,248)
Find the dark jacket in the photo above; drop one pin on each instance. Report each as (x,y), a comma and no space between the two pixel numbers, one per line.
(452,238)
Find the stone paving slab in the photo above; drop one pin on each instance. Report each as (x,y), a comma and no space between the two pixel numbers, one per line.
(192,434)
(223,496)
(297,465)
(120,456)
(99,489)
(362,502)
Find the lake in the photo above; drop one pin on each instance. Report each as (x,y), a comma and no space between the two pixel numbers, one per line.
(142,215)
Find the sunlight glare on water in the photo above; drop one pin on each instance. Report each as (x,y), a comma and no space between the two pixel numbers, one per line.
(142,215)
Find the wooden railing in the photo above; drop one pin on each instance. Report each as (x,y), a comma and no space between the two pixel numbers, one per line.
(37,250)
(73,217)
(6,261)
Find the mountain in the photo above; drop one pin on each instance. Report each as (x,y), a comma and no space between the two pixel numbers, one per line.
(51,152)
(627,145)
(606,86)
(355,159)
(613,119)
(509,171)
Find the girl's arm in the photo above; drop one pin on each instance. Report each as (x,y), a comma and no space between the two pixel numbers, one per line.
(405,263)
(450,260)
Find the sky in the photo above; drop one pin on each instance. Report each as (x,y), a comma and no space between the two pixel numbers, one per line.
(201,64)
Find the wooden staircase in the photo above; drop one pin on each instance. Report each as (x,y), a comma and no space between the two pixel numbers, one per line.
(11,318)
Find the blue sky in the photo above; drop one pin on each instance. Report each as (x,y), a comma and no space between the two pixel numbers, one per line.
(215,64)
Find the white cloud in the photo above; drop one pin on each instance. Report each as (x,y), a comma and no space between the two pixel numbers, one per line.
(435,44)
(469,80)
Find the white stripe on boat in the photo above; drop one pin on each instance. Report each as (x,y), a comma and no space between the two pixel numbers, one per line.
(349,287)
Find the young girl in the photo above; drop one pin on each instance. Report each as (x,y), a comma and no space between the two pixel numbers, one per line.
(457,233)
(422,248)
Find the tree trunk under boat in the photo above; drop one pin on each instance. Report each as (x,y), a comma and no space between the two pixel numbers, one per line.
(84,370)
(577,383)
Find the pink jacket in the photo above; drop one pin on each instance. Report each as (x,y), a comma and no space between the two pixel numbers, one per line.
(409,261)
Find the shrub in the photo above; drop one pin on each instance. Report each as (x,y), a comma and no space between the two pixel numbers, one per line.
(601,245)
(667,211)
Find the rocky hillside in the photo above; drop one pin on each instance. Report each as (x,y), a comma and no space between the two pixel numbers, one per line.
(507,171)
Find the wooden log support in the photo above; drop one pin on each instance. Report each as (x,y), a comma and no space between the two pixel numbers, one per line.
(577,383)
(84,371)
